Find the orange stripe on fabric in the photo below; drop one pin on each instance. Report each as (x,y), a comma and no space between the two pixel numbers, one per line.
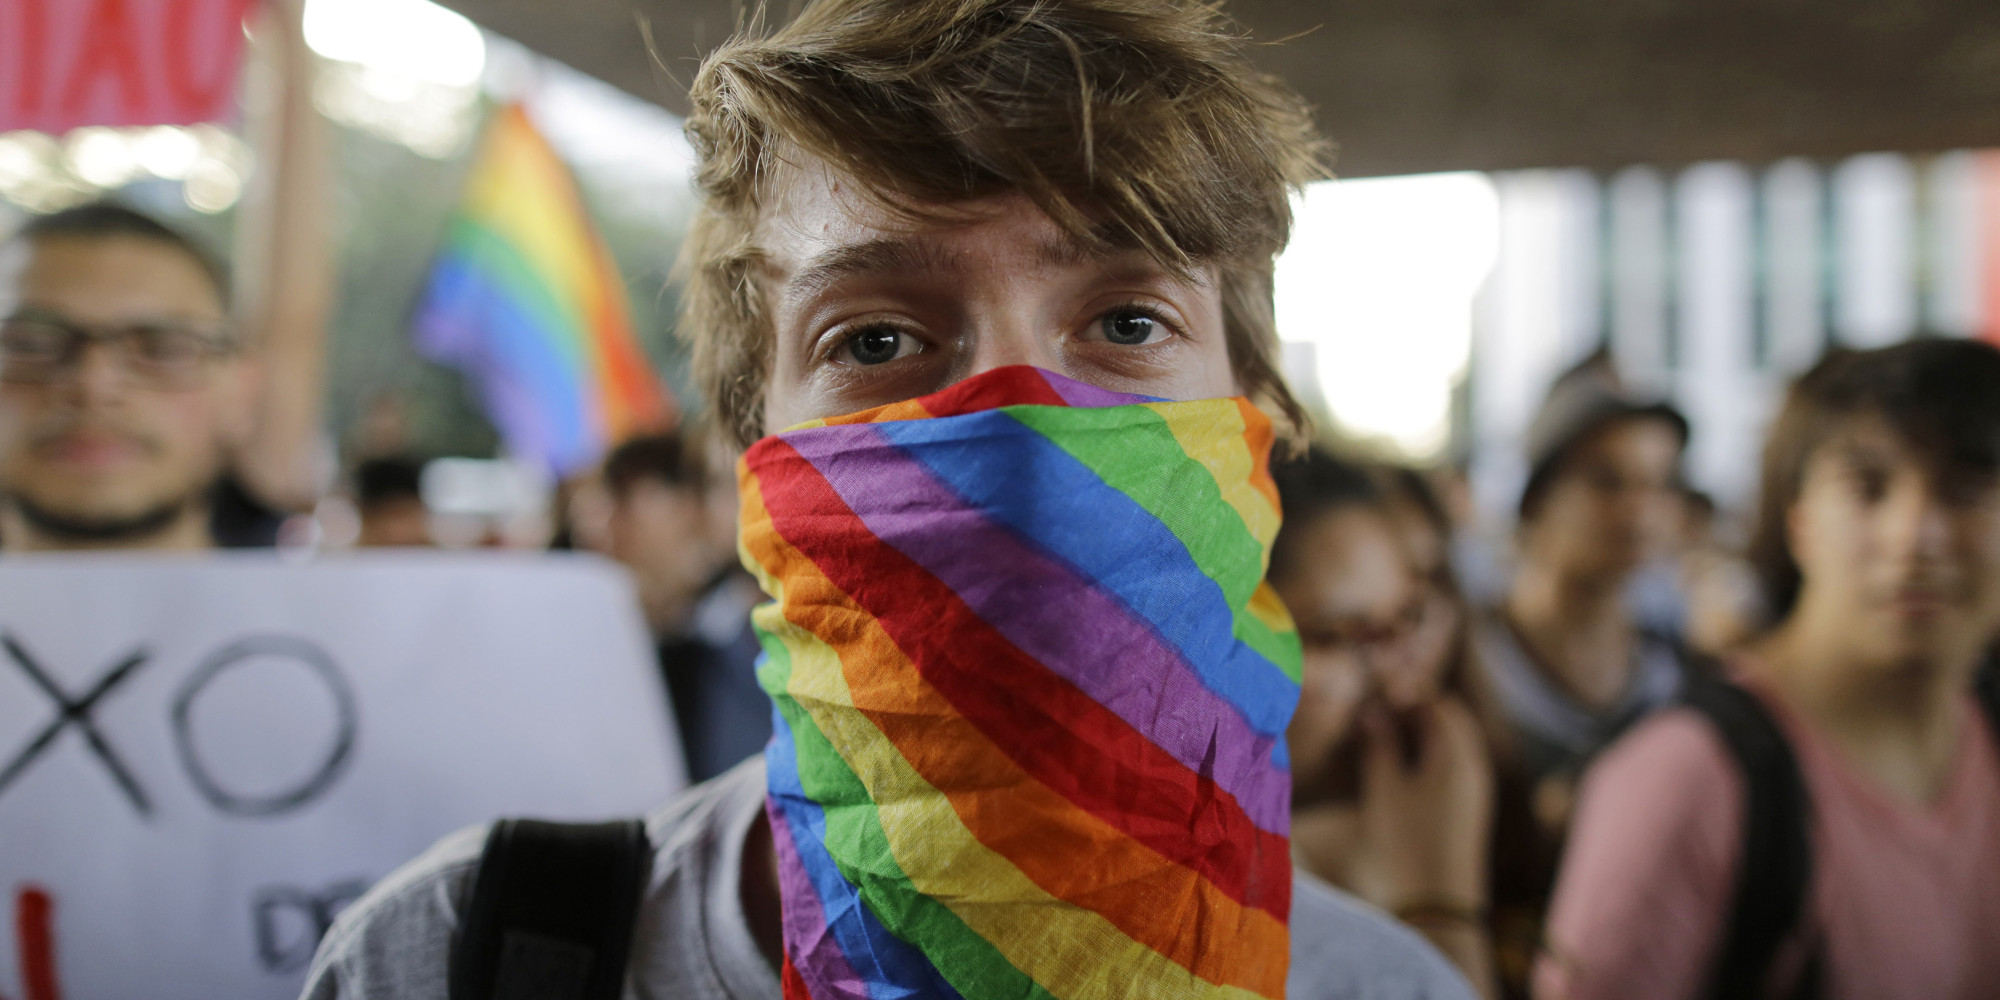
(908,409)
(1260,437)
(1144,895)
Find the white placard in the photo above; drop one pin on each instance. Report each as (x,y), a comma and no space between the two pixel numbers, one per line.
(202,760)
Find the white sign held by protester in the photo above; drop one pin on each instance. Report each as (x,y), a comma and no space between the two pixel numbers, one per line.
(203,760)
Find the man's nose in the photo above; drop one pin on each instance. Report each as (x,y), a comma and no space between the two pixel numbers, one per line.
(1920,523)
(101,374)
(1003,339)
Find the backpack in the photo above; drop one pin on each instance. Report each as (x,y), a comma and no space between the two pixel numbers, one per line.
(1776,870)
(552,911)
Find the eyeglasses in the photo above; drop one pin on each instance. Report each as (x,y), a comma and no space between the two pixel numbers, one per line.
(39,348)
(1368,637)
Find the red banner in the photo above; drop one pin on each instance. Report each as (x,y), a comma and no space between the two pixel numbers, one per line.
(65,63)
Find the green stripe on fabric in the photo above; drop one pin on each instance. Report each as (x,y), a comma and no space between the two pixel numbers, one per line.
(1145,462)
(858,844)
(490,252)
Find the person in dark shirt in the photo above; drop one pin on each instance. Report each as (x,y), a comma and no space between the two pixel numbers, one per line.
(1570,661)
(696,601)
(388,493)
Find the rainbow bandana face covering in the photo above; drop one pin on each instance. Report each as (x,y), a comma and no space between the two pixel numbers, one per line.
(1031,696)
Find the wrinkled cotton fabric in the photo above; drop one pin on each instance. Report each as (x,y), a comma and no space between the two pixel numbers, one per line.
(1031,694)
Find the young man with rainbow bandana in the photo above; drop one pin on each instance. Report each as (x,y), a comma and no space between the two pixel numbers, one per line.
(998,273)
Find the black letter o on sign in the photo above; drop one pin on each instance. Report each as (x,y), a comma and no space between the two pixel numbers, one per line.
(331,766)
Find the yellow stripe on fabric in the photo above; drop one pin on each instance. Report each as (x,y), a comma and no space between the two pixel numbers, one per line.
(947,863)
(1142,893)
(941,857)
(1225,455)
(1267,607)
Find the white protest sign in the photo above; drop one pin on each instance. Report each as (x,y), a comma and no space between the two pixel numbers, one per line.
(202,760)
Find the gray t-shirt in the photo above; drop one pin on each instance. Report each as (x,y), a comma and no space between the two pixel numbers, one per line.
(693,941)
(1558,735)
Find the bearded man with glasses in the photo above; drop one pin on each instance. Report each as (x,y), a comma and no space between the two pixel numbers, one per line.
(122,385)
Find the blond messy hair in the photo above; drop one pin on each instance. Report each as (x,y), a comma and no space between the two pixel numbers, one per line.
(1134,124)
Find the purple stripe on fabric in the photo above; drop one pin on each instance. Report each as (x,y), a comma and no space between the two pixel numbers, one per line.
(808,940)
(1055,615)
(1084,394)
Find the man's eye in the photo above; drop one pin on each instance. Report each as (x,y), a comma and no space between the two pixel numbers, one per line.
(33,340)
(1131,328)
(879,345)
(168,347)
(1871,484)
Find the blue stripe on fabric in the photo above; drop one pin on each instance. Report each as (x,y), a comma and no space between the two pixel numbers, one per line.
(1109,537)
(882,959)
(534,392)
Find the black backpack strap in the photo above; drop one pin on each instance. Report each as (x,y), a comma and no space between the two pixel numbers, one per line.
(1776,868)
(552,912)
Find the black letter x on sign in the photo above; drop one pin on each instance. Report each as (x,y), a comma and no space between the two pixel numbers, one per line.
(75,712)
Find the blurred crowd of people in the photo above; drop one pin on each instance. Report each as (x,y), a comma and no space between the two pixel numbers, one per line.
(1786,776)
(1566,754)
(1450,751)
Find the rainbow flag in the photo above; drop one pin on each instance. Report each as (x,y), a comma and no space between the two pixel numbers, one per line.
(1031,695)
(525,299)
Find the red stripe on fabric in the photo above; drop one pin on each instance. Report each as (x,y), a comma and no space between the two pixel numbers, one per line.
(1015,385)
(1151,899)
(1090,756)
(793,983)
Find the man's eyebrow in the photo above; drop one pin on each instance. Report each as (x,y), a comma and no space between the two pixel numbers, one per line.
(890,254)
(1061,253)
(1864,454)
(825,269)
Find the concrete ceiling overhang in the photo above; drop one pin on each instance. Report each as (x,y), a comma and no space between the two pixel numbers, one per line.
(1408,86)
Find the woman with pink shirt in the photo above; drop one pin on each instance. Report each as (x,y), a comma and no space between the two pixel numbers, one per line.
(1827,826)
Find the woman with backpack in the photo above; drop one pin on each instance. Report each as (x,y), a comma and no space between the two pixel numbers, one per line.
(1826,821)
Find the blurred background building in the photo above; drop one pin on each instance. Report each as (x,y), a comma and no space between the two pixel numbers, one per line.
(1716,191)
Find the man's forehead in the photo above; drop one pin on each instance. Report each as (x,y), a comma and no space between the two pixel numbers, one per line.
(106,277)
(1625,441)
(1373,576)
(819,226)
(1869,443)
(810,269)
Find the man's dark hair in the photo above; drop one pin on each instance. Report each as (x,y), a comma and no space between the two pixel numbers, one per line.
(1940,396)
(1133,124)
(383,480)
(1310,485)
(665,458)
(1582,403)
(107,219)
